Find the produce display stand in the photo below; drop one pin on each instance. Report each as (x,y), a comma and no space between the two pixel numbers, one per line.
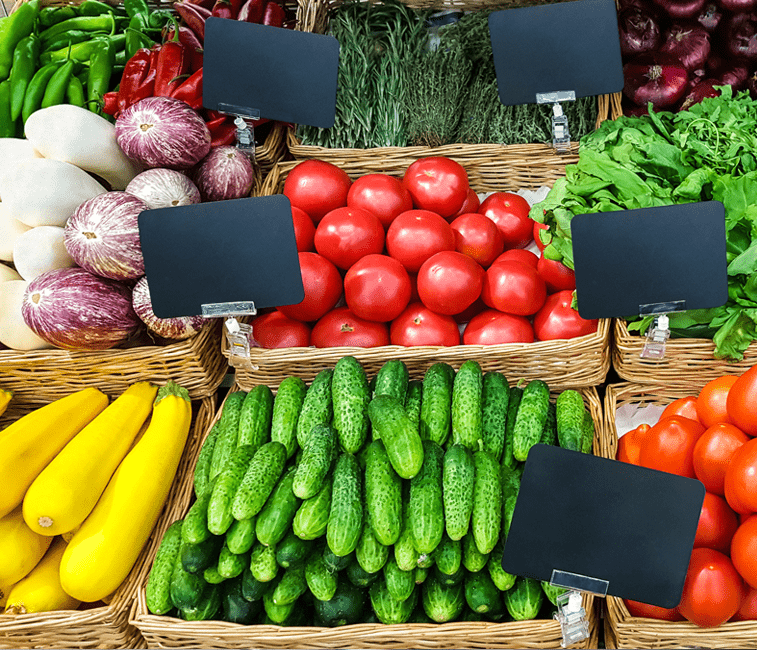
(169,632)
(622,630)
(106,626)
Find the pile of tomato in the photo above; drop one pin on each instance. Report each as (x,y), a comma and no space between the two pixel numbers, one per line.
(417,260)
(710,437)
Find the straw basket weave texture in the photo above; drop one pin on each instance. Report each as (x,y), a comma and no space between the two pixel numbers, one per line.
(168,632)
(582,361)
(106,626)
(621,629)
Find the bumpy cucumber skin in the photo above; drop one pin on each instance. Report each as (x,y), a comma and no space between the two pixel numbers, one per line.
(426,504)
(403,443)
(277,613)
(186,588)
(392,379)
(467,426)
(319,451)
(436,403)
(570,419)
(286,412)
(399,583)
(486,519)
(195,528)
(371,555)
(552,592)
(383,495)
(158,589)
(225,488)
(346,514)
(549,432)
(321,580)
(263,563)
(253,589)
(404,548)
(449,556)
(481,593)
(255,418)
(510,482)
(516,394)
(275,519)
(473,559)
(495,397)
(501,578)
(211,576)
(195,558)
(525,599)
(208,606)
(587,439)
(457,490)
(389,610)
(350,397)
(291,586)
(292,550)
(441,602)
(530,419)
(231,565)
(201,475)
(317,407)
(413,402)
(228,432)
(241,535)
(312,516)
(259,480)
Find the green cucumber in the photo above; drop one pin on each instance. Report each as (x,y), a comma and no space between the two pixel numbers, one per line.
(549,432)
(473,559)
(231,565)
(263,563)
(404,548)
(383,495)
(421,573)
(317,407)
(587,439)
(413,402)
(399,583)
(201,477)
(426,511)
(228,432)
(449,556)
(346,607)
(346,514)
(516,394)
(207,608)
(525,599)
(195,528)
(225,488)
(389,610)
(317,455)
(392,379)
(486,519)
(276,517)
(552,592)
(402,442)
(312,516)
(241,535)
(336,562)
(211,576)
(570,419)
(436,403)
(236,608)
(442,603)
(292,550)
(481,593)
(277,613)
(286,411)
(291,586)
(458,483)
(252,588)
(510,482)
(255,418)
(350,397)
(259,480)
(322,581)
(530,419)
(425,560)
(158,589)
(501,578)
(186,588)
(467,426)
(195,558)
(370,554)
(495,396)
(452,579)
(358,576)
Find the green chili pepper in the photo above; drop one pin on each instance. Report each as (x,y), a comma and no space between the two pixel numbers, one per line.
(35,91)
(82,51)
(24,65)
(94,8)
(55,92)
(71,38)
(7,123)
(135,36)
(100,69)
(159,18)
(137,7)
(50,16)
(121,57)
(103,23)
(14,28)
(75,92)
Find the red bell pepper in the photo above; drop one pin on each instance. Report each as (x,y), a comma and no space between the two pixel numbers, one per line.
(273,15)
(191,91)
(110,103)
(135,72)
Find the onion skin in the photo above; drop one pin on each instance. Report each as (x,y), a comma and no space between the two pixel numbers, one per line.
(164,188)
(76,310)
(710,16)
(639,31)
(163,132)
(705,88)
(177,329)
(655,78)
(678,10)
(737,6)
(225,173)
(689,43)
(741,36)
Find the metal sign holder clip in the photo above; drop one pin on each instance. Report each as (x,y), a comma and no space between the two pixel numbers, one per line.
(238,334)
(245,118)
(658,332)
(560,129)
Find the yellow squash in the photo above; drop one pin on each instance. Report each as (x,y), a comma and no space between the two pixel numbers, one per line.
(31,442)
(104,549)
(66,491)
(41,591)
(20,547)
(4,591)
(5,398)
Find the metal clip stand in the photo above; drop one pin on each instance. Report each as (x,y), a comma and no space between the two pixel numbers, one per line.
(572,618)
(560,130)
(245,137)
(239,335)
(657,335)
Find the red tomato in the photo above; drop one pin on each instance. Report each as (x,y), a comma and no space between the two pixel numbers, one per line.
(317,187)
(748,609)
(345,235)
(492,327)
(477,237)
(685,406)
(744,551)
(438,184)
(740,483)
(340,327)
(377,288)
(717,524)
(382,195)
(275,330)
(418,325)
(537,227)
(558,320)
(713,589)
(742,402)
(556,275)
(449,282)
(510,213)
(304,230)
(515,288)
(466,315)
(414,297)
(323,286)
(669,446)
(416,235)
(643,610)
(471,204)
(629,444)
(518,255)
(712,398)
(713,453)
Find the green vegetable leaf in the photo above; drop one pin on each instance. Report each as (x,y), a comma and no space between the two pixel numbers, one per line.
(735,335)
(746,263)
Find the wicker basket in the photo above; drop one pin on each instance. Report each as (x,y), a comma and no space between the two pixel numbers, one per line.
(168,632)
(621,629)
(106,626)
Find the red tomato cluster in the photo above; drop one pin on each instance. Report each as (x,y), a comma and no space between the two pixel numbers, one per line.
(416,261)
(709,437)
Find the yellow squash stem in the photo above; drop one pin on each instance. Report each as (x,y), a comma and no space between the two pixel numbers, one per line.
(5,398)
(66,491)
(104,549)
(20,547)
(41,590)
(31,442)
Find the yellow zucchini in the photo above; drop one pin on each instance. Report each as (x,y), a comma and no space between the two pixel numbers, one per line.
(66,491)
(5,398)
(41,590)
(20,547)
(4,591)
(31,442)
(104,549)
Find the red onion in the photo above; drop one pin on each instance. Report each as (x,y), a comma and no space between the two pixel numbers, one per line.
(225,173)
(689,43)
(741,36)
(164,188)
(169,328)
(163,132)
(751,85)
(635,111)
(734,75)
(678,9)
(655,78)
(737,6)
(703,89)
(639,32)
(709,17)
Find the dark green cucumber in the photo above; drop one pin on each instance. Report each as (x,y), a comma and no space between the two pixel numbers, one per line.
(421,573)
(231,565)
(277,613)
(442,603)
(501,578)
(402,442)
(195,558)
(426,511)
(530,419)
(312,516)
(276,517)
(212,577)
(207,608)
(358,576)
(241,535)
(317,407)
(587,439)
(469,616)
(570,419)
(292,550)
(260,478)
(392,379)
(201,476)
(452,579)
(404,548)
(399,583)
(467,427)
(252,588)
(186,588)
(389,610)
(516,394)
(495,397)
(291,586)
(458,483)
(383,495)
(322,581)
(552,592)
(336,562)
(228,432)
(473,559)
(486,519)
(449,555)
(370,554)
(317,455)
(525,599)
(236,608)
(413,402)
(350,397)
(346,514)
(481,593)
(158,589)
(346,607)
(263,563)
(195,528)
(549,432)
(255,418)
(225,488)
(286,411)
(510,482)
(436,403)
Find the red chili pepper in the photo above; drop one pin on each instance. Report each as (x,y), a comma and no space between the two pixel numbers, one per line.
(222,9)
(191,91)
(134,73)
(226,134)
(252,11)
(110,105)
(211,115)
(236,5)
(186,36)
(147,87)
(215,123)
(172,65)
(207,4)
(274,15)
(192,17)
